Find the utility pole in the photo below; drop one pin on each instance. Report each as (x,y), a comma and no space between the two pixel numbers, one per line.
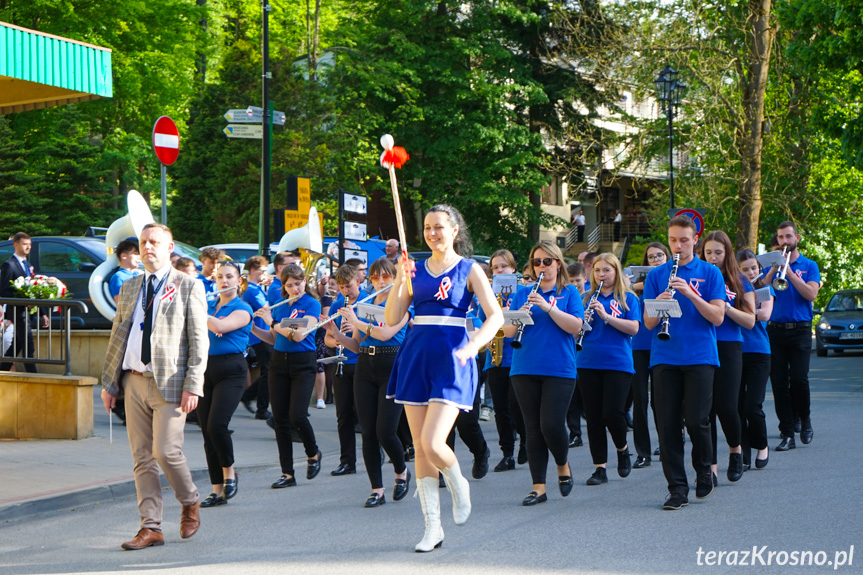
(266,152)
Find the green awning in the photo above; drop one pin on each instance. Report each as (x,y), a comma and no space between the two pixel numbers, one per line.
(39,70)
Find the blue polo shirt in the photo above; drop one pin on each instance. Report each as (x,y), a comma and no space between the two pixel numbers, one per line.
(644,338)
(730,330)
(755,340)
(274,292)
(306,305)
(209,285)
(789,306)
(256,298)
(693,338)
(506,360)
(337,305)
(233,341)
(605,347)
(394,341)
(546,349)
(117,280)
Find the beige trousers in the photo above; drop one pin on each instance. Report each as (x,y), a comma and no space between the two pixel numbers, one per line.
(155,429)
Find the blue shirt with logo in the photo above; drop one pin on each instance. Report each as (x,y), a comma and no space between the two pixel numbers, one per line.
(256,298)
(306,305)
(117,280)
(644,338)
(337,305)
(730,330)
(693,338)
(755,340)
(546,349)
(606,347)
(394,341)
(789,306)
(234,341)
(209,285)
(274,292)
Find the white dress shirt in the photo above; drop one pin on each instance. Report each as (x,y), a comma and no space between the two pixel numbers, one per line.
(132,359)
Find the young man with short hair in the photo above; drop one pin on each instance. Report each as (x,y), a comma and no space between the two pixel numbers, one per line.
(13,268)
(209,257)
(127,254)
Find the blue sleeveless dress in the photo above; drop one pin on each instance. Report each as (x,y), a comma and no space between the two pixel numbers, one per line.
(426,368)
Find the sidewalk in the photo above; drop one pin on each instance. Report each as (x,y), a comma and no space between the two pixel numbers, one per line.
(49,475)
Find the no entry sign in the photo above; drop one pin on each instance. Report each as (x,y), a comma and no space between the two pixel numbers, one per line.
(166,140)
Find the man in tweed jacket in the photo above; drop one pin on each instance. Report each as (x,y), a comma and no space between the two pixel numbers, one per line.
(160,389)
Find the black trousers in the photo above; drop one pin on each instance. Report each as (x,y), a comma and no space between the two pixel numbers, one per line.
(753,385)
(346,414)
(574,413)
(260,387)
(292,381)
(604,394)
(379,417)
(467,425)
(726,391)
(507,413)
(641,399)
(683,391)
(789,374)
(544,401)
(22,344)
(224,381)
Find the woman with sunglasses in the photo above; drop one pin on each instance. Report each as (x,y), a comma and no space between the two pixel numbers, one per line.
(229,324)
(379,416)
(655,255)
(434,374)
(543,369)
(507,413)
(605,365)
(739,313)
(292,372)
(756,369)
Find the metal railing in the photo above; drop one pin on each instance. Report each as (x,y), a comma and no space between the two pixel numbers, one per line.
(22,324)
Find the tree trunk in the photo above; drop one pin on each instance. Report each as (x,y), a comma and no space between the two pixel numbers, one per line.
(201,64)
(759,43)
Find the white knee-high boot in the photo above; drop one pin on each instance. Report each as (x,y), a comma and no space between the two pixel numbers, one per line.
(460,489)
(428,491)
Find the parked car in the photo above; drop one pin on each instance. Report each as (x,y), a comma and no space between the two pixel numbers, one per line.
(841,323)
(71,260)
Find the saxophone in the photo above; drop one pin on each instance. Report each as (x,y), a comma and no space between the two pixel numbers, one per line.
(496,345)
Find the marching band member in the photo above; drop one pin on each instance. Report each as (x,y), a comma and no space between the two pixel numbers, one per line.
(280,260)
(739,313)
(790,331)
(543,369)
(605,364)
(255,295)
(379,417)
(683,365)
(229,324)
(434,374)
(292,373)
(507,413)
(655,255)
(756,370)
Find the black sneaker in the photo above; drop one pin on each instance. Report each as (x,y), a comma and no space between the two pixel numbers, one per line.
(575,441)
(624,463)
(704,484)
(598,478)
(480,464)
(675,501)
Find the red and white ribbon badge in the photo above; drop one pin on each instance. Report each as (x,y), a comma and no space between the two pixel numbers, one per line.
(294,314)
(168,296)
(694,283)
(799,273)
(615,308)
(729,294)
(444,289)
(553,301)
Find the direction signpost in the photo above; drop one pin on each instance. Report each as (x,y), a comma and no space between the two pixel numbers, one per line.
(166,144)
(247,131)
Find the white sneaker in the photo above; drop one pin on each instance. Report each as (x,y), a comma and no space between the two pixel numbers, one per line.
(320,404)
(485,414)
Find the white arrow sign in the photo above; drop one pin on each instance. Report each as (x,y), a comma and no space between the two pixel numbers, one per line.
(252,131)
(242,116)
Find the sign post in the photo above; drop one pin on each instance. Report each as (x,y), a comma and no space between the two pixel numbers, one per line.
(696,214)
(166,144)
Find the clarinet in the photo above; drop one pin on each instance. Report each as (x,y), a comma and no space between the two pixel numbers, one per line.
(664,334)
(516,343)
(588,316)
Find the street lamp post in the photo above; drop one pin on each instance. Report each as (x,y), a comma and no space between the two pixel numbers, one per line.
(670,92)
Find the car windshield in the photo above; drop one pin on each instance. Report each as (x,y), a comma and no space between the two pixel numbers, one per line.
(846,301)
(187,251)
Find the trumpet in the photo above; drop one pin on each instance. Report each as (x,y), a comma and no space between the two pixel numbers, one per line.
(664,333)
(588,316)
(334,316)
(516,343)
(780,283)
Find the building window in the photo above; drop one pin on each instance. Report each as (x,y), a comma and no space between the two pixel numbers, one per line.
(551,193)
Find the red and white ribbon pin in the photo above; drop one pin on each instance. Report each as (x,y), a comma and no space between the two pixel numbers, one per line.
(444,289)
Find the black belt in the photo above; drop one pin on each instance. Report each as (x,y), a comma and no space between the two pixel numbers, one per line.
(792,325)
(380,350)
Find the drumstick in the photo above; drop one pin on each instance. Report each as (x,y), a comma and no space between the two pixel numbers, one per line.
(391,159)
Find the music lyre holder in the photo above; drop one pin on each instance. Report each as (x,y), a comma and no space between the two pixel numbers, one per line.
(297,323)
(517,317)
(762,295)
(638,271)
(662,308)
(771,259)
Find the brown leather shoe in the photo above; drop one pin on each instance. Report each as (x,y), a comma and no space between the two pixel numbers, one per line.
(190,520)
(145,538)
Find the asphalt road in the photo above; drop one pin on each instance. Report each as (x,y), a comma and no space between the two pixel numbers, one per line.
(806,500)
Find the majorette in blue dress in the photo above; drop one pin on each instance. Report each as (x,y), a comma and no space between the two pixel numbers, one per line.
(426,368)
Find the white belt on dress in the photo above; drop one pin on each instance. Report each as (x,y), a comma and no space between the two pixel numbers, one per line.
(439,320)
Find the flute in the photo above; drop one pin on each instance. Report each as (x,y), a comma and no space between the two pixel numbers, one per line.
(215,293)
(324,322)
